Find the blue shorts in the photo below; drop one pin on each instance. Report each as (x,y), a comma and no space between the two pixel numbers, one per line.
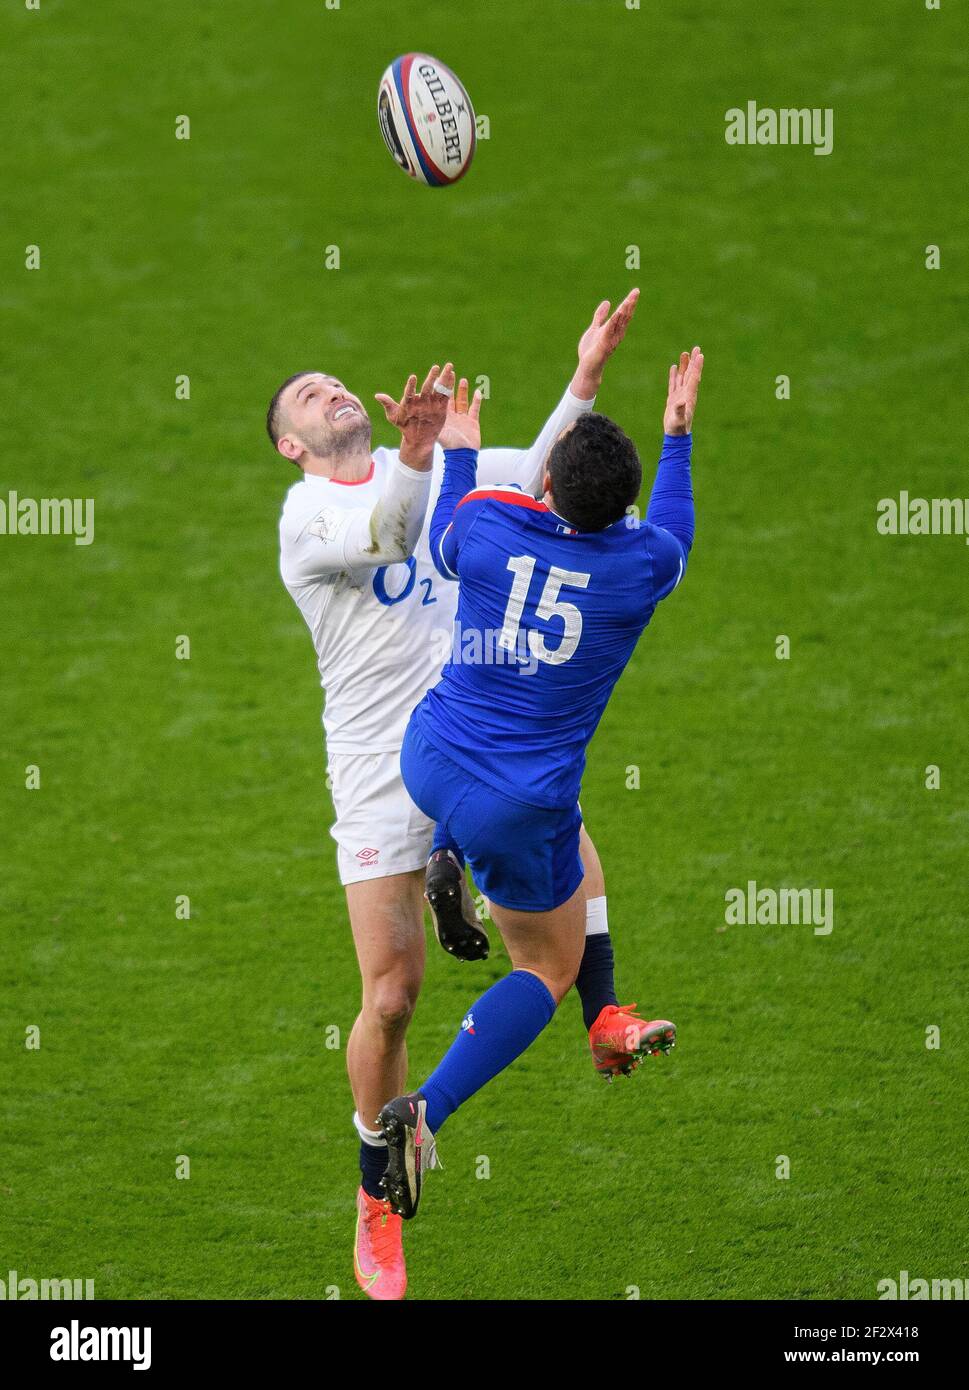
(522,857)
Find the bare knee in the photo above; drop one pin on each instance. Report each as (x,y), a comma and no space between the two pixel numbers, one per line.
(388,928)
(559,984)
(548,944)
(558,979)
(389,1003)
(594,883)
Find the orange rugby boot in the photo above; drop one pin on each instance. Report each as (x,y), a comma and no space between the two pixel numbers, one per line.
(378,1255)
(620,1039)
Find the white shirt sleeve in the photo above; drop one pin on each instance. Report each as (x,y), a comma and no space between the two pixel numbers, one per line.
(336,538)
(526,466)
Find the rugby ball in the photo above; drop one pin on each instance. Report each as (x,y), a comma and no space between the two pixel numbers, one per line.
(426,119)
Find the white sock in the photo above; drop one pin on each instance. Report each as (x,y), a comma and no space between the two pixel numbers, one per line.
(596,917)
(373,1137)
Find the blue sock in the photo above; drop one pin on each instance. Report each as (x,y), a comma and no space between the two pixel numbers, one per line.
(373,1165)
(443,840)
(498,1028)
(594,982)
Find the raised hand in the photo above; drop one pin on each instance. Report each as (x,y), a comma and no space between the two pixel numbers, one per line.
(462,429)
(420,415)
(681,398)
(599,342)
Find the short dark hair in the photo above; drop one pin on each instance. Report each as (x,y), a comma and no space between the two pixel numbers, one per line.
(272,414)
(596,473)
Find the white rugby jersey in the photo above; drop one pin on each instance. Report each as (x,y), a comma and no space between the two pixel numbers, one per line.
(382,632)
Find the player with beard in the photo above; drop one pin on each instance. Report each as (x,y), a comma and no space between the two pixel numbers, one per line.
(355,557)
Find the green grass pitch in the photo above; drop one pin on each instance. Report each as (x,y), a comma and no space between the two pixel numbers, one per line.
(205,257)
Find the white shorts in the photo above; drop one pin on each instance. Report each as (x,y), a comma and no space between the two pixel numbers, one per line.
(378,829)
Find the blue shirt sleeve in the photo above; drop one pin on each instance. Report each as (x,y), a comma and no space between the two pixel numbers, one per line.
(460,478)
(670,510)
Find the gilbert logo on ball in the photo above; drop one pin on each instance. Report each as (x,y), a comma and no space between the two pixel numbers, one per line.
(426,119)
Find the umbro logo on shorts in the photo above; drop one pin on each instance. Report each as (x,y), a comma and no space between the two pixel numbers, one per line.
(368,857)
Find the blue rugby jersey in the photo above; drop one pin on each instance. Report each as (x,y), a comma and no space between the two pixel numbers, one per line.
(547,620)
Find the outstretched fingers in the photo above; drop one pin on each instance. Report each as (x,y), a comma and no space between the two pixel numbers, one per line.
(693,375)
(429,381)
(620,320)
(684,383)
(445,382)
(389,404)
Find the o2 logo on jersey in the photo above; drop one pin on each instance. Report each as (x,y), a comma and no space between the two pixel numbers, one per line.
(393,583)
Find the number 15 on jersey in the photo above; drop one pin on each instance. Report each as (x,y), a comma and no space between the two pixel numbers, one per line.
(548,606)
